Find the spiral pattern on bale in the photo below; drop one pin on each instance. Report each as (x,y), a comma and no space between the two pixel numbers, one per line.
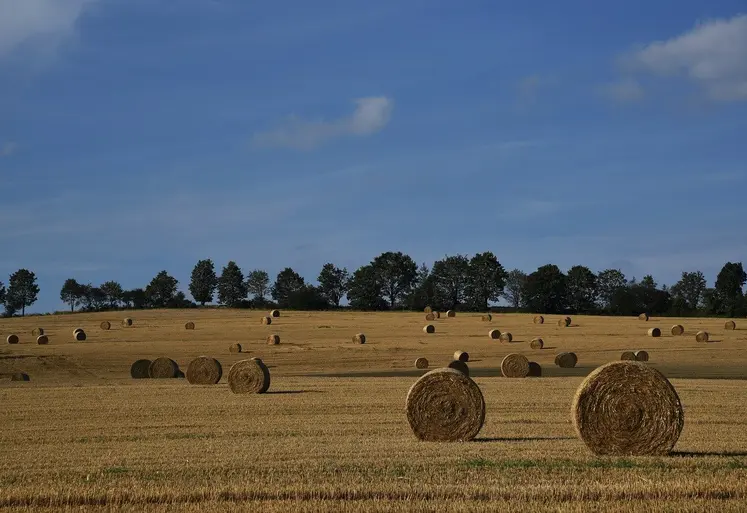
(627,409)
(429,328)
(494,334)
(273,340)
(189,326)
(249,377)
(460,366)
(42,340)
(450,313)
(127,322)
(163,368)
(105,325)
(506,337)
(462,356)
(515,365)
(641,356)
(37,331)
(643,317)
(730,325)
(359,338)
(275,313)
(538,319)
(140,369)
(12,339)
(445,405)
(79,335)
(566,360)
(234,348)
(654,332)
(266,320)
(537,343)
(628,356)
(204,370)
(677,330)
(535,370)
(430,317)
(421,363)
(702,336)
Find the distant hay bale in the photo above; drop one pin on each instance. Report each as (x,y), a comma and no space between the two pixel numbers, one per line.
(76,330)
(450,313)
(538,319)
(429,328)
(42,340)
(445,405)
(189,326)
(430,317)
(267,320)
(566,360)
(627,409)
(506,337)
(12,339)
(275,313)
(459,366)
(487,318)
(127,322)
(494,334)
(564,322)
(204,370)
(359,338)
(273,339)
(730,325)
(462,356)
(535,370)
(234,348)
(20,376)
(140,369)
(628,356)
(654,332)
(37,331)
(163,368)
(421,363)
(249,377)
(537,343)
(677,330)
(427,310)
(643,317)
(437,314)
(106,325)
(79,335)
(641,356)
(515,365)
(702,336)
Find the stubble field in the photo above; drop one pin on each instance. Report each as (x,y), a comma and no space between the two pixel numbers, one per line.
(331,433)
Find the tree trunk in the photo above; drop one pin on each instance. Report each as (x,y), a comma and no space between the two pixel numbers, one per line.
(23,310)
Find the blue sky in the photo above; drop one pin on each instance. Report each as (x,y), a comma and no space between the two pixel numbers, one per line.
(140,135)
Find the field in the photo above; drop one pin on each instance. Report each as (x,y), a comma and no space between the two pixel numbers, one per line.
(331,433)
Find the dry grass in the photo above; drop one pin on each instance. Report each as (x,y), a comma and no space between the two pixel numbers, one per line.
(331,432)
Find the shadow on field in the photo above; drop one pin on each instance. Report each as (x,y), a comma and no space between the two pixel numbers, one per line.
(523,439)
(293,392)
(706,454)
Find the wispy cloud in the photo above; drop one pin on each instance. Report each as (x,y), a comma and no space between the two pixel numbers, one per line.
(371,115)
(8,148)
(624,90)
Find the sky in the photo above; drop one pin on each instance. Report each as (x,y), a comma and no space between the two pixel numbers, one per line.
(141,135)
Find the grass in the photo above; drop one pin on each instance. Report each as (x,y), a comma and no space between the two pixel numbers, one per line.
(83,435)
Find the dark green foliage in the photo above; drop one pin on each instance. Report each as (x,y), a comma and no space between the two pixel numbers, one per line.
(688,293)
(203,282)
(161,291)
(396,272)
(287,283)
(231,286)
(22,291)
(333,283)
(514,290)
(609,282)
(581,290)
(544,291)
(364,290)
(72,293)
(112,292)
(486,279)
(450,282)
(258,284)
(729,298)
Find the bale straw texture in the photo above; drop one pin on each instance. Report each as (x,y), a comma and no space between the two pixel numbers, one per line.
(535,370)
(538,319)
(450,313)
(654,332)
(566,360)
(421,363)
(515,366)
(204,370)
(462,356)
(275,313)
(427,310)
(430,317)
(140,369)
(234,348)
(506,337)
(266,320)
(127,322)
(643,317)
(249,377)
(189,326)
(730,325)
(273,340)
(459,366)
(564,322)
(105,325)
(429,328)
(42,340)
(628,356)
(537,343)
(702,336)
(359,338)
(37,331)
(12,339)
(163,368)
(677,330)
(487,318)
(641,356)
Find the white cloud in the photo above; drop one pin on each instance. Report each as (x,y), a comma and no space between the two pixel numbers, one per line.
(41,24)
(8,148)
(624,90)
(370,116)
(713,55)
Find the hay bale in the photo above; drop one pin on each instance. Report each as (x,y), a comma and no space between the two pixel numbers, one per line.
(140,369)
(537,343)
(266,320)
(515,366)
(234,348)
(487,318)
(535,370)
(641,356)
(249,376)
(462,356)
(359,338)
(564,322)
(730,325)
(506,337)
(127,322)
(163,368)
(654,332)
(450,313)
(273,340)
(702,336)
(189,326)
(204,370)
(427,310)
(538,319)
(445,405)
(20,376)
(79,335)
(628,356)
(179,374)
(106,325)
(437,314)
(643,317)
(627,409)
(42,340)
(429,328)
(37,331)
(421,363)
(566,360)
(275,313)
(494,334)
(459,366)
(677,330)
(430,317)
(76,330)
(12,339)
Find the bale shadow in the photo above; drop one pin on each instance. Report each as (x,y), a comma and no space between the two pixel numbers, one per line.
(523,439)
(293,392)
(706,454)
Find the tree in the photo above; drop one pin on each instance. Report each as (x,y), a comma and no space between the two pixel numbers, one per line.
(450,280)
(112,292)
(22,291)
(135,298)
(258,284)
(287,282)
(364,289)
(581,289)
(688,292)
(609,282)
(203,283)
(544,290)
(423,292)
(729,283)
(161,290)
(486,279)
(514,289)
(333,283)
(93,298)
(71,293)
(231,287)
(396,272)
(2,293)
(308,297)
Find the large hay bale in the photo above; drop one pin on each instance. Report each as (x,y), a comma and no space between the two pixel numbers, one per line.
(80,335)
(494,334)
(430,317)
(234,348)
(189,325)
(140,369)
(204,370)
(445,405)
(429,328)
(654,332)
(628,356)
(266,320)
(421,363)
(566,360)
(730,325)
(12,339)
(538,319)
(487,318)
(641,356)
(127,322)
(643,317)
(627,409)
(459,366)
(515,365)
(462,356)
(537,343)
(163,368)
(249,376)
(427,310)
(42,340)
(359,338)
(702,336)
(677,330)
(275,313)
(273,340)
(450,313)
(37,331)
(105,325)
(535,370)
(506,337)
(564,322)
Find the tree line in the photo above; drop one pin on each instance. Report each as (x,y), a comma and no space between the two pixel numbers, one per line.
(393,281)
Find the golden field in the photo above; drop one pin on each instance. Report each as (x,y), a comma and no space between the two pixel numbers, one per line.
(331,433)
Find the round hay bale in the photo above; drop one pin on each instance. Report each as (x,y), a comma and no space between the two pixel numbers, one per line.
(80,335)
(37,331)
(445,405)
(127,322)
(654,332)
(430,317)
(429,328)
(179,374)
(730,325)
(421,363)
(275,313)
(494,334)
(459,366)
(537,343)
(677,330)
(643,317)
(628,356)
(627,409)
(427,310)
(106,325)
(204,370)
(641,356)
(702,336)
(538,319)
(189,326)
(249,376)
(42,340)
(437,314)
(266,320)
(20,376)
(462,356)
(515,366)
(535,370)
(234,348)
(273,339)
(450,313)
(506,337)
(76,330)
(487,318)
(566,360)
(162,368)
(140,369)
(359,338)
(564,322)
(12,339)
